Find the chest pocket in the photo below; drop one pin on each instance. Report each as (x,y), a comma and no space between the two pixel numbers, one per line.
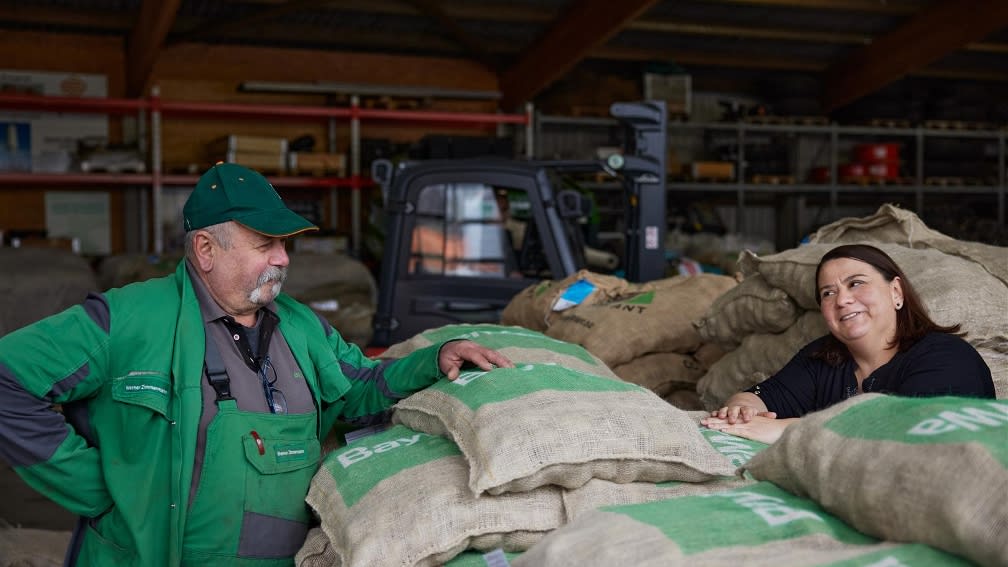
(151,390)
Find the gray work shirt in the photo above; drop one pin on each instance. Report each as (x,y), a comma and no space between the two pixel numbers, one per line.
(246,386)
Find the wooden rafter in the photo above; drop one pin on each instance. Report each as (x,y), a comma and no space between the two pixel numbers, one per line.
(587,24)
(265,15)
(935,32)
(145,41)
(473,46)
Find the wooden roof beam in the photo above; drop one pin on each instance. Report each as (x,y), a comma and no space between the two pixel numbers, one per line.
(587,24)
(473,46)
(935,32)
(145,41)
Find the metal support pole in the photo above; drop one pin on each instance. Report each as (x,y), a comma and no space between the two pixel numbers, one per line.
(1001,178)
(740,181)
(355,171)
(530,125)
(919,193)
(156,170)
(834,178)
(333,191)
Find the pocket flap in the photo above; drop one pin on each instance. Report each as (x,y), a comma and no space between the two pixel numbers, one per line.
(276,456)
(148,389)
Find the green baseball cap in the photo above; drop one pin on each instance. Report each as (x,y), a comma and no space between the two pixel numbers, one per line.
(231,192)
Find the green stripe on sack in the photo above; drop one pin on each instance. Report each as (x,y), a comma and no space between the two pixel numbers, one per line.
(497,337)
(905,555)
(928,421)
(738,449)
(748,516)
(358,467)
(478,388)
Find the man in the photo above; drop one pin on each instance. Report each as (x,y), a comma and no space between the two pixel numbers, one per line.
(196,402)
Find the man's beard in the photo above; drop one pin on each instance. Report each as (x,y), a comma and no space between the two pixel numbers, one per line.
(272,275)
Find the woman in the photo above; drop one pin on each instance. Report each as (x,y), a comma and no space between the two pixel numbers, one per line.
(881,340)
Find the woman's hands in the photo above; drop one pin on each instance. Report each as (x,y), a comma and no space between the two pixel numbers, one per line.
(454,354)
(745,415)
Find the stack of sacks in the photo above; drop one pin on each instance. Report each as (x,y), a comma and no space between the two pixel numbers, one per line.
(644,332)
(516,343)
(498,459)
(400,497)
(39,282)
(772,313)
(27,547)
(925,470)
(759,524)
(339,288)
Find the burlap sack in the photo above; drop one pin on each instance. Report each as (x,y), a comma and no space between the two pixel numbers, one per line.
(753,306)
(686,400)
(708,354)
(516,343)
(533,307)
(994,351)
(399,497)
(597,493)
(316,551)
(38,282)
(898,226)
(657,320)
(117,270)
(26,547)
(755,525)
(478,559)
(953,289)
(533,425)
(927,470)
(759,357)
(662,372)
(347,306)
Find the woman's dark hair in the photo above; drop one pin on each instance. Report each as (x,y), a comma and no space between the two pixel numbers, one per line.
(912,320)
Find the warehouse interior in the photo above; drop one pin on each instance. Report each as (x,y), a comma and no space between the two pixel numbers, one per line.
(789,122)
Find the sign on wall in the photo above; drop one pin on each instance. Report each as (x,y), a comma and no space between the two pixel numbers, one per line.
(47,141)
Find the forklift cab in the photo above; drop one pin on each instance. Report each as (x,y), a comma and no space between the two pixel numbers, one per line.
(464,237)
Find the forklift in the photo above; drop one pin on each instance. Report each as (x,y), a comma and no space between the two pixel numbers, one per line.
(464,236)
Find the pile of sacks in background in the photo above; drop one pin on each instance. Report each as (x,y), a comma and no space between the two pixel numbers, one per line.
(38,282)
(336,286)
(643,332)
(772,313)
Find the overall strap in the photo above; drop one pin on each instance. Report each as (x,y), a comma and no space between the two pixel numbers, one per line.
(216,371)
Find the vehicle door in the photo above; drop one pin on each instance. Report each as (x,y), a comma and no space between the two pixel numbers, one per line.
(460,246)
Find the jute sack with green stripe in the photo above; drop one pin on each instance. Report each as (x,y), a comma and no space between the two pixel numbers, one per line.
(516,343)
(659,318)
(532,308)
(399,497)
(597,493)
(927,470)
(756,525)
(538,424)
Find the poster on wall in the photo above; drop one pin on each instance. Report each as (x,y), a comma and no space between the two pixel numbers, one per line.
(83,215)
(46,142)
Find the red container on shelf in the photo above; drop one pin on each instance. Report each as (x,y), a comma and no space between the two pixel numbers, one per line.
(887,152)
(887,170)
(849,171)
(819,175)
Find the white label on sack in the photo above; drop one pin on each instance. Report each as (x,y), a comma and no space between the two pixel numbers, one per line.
(773,510)
(972,419)
(357,454)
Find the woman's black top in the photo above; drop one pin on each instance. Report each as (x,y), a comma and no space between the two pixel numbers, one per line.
(940,364)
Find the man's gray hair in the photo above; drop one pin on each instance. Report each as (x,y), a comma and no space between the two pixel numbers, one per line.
(220,232)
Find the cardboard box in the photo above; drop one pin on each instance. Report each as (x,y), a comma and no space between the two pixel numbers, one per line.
(261,162)
(675,90)
(245,144)
(318,164)
(711,170)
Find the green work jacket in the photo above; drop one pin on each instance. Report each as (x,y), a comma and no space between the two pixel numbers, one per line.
(138,376)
